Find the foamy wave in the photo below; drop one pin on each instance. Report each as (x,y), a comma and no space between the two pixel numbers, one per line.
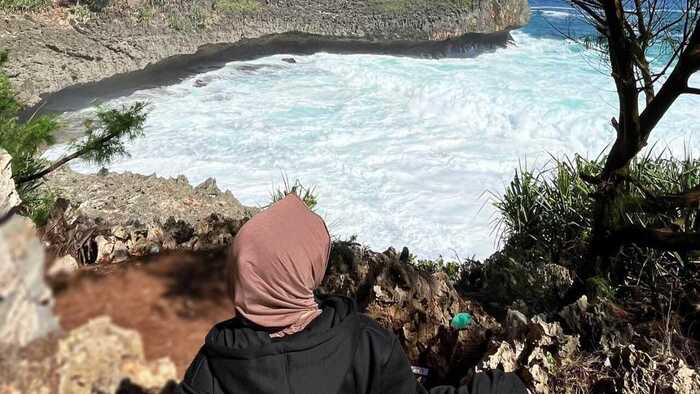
(556,14)
(402,150)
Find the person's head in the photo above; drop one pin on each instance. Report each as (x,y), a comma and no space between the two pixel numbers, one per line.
(277,261)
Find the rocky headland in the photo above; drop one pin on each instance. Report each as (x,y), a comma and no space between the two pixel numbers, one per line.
(59,48)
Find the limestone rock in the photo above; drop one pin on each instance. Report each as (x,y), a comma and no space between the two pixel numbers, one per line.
(516,324)
(8,195)
(558,278)
(179,230)
(208,187)
(121,233)
(63,266)
(25,299)
(502,356)
(98,356)
(105,247)
(537,353)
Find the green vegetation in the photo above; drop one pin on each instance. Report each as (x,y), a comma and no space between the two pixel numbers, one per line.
(38,206)
(190,16)
(545,219)
(104,139)
(22,139)
(238,6)
(393,5)
(551,210)
(451,268)
(25,5)
(409,5)
(80,14)
(547,210)
(308,195)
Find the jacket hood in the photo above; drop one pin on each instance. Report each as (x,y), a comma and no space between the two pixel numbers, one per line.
(245,359)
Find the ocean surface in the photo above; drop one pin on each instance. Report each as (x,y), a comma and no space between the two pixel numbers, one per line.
(402,151)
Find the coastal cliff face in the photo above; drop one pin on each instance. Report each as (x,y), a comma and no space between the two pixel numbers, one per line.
(61,47)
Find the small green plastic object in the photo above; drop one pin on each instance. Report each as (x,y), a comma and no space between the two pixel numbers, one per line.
(461,321)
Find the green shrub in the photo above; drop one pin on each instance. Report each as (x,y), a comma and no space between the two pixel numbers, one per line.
(96,5)
(145,13)
(190,16)
(80,14)
(238,6)
(551,209)
(393,5)
(545,217)
(38,205)
(25,5)
(451,268)
(548,210)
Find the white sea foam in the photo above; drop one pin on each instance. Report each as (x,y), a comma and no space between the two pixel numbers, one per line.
(402,151)
(556,14)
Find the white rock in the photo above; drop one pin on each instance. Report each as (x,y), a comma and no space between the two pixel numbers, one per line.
(120,252)
(97,356)
(25,299)
(65,265)
(8,195)
(105,247)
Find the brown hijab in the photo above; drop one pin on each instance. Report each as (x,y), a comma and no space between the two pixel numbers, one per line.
(277,261)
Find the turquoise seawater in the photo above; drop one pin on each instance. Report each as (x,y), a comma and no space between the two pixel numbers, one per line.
(402,151)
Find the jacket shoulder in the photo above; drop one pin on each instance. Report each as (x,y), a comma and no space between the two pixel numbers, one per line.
(199,378)
(378,335)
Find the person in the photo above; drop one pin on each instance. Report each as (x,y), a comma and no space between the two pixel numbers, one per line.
(283,339)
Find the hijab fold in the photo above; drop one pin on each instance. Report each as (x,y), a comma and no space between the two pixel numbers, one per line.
(277,261)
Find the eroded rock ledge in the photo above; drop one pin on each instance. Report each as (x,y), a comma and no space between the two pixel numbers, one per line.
(110,217)
(57,49)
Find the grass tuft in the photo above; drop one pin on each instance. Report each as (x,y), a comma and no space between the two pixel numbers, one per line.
(238,6)
(307,194)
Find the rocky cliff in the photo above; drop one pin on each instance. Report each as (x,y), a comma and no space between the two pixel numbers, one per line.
(65,46)
(25,300)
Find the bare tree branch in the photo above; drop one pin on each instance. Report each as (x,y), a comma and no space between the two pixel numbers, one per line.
(675,85)
(664,239)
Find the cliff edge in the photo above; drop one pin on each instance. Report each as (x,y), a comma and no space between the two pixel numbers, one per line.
(63,46)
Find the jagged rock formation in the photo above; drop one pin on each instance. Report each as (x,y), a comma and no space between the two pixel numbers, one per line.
(25,300)
(97,357)
(101,357)
(415,305)
(111,217)
(54,50)
(550,361)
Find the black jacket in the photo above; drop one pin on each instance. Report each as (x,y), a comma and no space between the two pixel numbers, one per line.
(342,351)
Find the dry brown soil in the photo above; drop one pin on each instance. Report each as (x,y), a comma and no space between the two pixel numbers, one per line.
(171,300)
